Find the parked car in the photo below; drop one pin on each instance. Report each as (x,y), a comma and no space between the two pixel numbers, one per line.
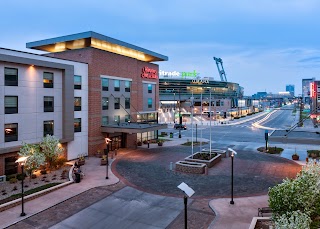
(180,126)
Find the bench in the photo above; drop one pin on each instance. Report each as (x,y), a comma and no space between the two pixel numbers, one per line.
(265,210)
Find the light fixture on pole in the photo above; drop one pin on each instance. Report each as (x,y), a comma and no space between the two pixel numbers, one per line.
(180,118)
(188,192)
(22,161)
(108,140)
(232,157)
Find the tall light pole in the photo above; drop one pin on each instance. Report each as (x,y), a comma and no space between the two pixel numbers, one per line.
(232,157)
(22,161)
(108,140)
(180,118)
(174,107)
(192,122)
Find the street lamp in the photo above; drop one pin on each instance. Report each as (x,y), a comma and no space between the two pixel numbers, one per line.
(174,107)
(22,162)
(232,156)
(188,192)
(180,118)
(107,157)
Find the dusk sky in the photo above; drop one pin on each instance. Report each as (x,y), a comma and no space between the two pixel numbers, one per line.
(264,44)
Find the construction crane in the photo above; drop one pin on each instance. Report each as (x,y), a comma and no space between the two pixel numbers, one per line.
(221,71)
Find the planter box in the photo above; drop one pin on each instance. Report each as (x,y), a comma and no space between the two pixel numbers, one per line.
(190,167)
(218,151)
(103,162)
(81,162)
(257,219)
(295,157)
(209,163)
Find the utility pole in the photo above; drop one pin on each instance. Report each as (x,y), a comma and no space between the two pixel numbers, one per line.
(180,118)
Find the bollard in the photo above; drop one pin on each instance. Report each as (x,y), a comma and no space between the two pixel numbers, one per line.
(111,155)
(115,152)
(171,165)
(206,170)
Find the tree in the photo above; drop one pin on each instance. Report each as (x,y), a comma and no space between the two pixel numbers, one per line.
(35,157)
(51,149)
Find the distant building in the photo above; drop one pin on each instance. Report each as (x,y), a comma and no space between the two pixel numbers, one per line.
(306,90)
(259,95)
(290,89)
(314,98)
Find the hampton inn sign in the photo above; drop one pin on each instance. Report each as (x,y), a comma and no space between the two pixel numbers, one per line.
(149,73)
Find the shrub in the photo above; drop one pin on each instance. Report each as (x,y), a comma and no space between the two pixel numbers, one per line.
(43,172)
(295,219)
(20,176)
(13,180)
(8,178)
(59,162)
(299,194)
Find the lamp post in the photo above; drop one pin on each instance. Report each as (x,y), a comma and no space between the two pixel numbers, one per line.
(107,157)
(22,162)
(180,118)
(174,107)
(188,192)
(232,157)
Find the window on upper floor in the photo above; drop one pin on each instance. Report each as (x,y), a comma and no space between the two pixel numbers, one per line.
(127,118)
(104,120)
(105,84)
(11,104)
(127,86)
(116,103)
(77,103)
(117,119)
(105,103)
(11,76)
(77,125)
(48,104)
(48,127)
(127,103)
(48,80)
(149,102)
(11,132)
(116,85)
(77,82)
(149,88)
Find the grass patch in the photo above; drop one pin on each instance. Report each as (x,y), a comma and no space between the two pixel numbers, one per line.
(29,192)
(271,150)
(194,143)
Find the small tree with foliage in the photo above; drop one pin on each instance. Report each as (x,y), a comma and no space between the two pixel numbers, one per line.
(299,197)
(35,157)
(51,149)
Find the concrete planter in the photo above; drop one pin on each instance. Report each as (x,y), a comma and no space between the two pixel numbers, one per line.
(255,220)
(209,163)
(190,167)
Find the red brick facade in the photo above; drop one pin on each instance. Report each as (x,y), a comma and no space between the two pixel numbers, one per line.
(105,63)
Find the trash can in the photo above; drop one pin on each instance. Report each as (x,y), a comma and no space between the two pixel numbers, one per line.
(171,135)
(78,178)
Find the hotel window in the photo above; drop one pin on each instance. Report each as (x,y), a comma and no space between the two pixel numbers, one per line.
(116,85)
(127,103)
(149,102)
(105,84)
(11,104)
(149,88)
(48,80)
(77,103)
(116,103)
(127,118)
(77,125)
(222,103)
(47,128)
(77,82)
(48,104)
(11,132)
(105,103)
(104,120)
(117,119)
(11,76)
(218,103)
(127,86)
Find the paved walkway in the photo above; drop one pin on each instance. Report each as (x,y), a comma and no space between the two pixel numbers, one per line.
(95,177)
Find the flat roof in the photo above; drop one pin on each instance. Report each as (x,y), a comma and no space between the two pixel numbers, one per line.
(95,40)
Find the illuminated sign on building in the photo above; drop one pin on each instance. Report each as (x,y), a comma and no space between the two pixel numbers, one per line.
(312,90)
(200,81)
(149,73)
(175,74)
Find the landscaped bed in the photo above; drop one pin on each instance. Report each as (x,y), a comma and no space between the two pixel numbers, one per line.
(210,159)
(271,150)
(11,189)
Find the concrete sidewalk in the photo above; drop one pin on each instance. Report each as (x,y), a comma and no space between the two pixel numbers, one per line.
(95,175)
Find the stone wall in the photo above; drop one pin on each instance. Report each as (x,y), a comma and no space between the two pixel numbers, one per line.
(190,167)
